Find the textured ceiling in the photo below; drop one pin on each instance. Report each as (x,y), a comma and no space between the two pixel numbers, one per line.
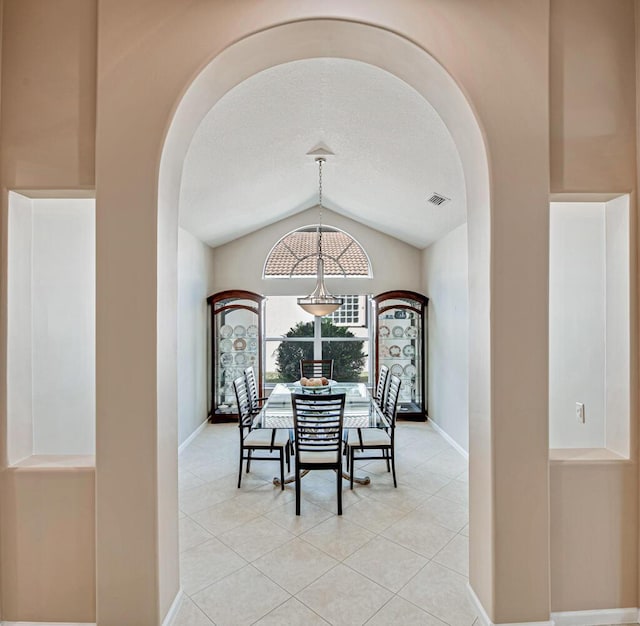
(247,167)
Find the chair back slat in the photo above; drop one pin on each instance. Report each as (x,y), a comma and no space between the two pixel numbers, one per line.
(252,389)
(318,422)
(381,387)
(390,407)
(316,368)
(245,416)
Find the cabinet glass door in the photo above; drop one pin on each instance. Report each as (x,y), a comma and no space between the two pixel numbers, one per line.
(236,345)
(400,342)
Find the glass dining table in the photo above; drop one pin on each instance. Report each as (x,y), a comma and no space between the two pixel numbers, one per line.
(360,411)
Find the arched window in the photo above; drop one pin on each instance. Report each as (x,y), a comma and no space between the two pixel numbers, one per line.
(295,255)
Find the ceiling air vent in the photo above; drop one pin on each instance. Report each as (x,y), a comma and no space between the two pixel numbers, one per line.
(438,199)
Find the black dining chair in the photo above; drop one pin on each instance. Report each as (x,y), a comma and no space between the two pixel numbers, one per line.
(255,401)
(316,368)
(381,387)
(369,440)
(318,423)
(259,439)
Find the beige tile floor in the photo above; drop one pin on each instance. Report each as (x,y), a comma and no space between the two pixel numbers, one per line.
(396,556)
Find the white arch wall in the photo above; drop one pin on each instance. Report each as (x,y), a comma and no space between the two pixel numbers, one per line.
(402,58)
(443,94)
(137,559)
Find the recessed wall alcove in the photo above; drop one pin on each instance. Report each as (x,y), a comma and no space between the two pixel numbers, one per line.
(589,329)
(51,345)
(48,516)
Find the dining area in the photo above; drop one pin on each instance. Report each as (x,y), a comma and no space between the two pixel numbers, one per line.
(398,553)
(317,423)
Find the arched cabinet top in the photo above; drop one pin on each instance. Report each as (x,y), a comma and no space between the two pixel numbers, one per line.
(235,294)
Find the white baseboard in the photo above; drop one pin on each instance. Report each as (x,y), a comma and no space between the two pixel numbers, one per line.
(449,439)
(173,609)
(168,620)
(484,620)
(596,618)
(192,436)
(566,618)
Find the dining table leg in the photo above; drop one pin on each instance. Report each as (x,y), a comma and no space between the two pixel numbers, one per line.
(291,478)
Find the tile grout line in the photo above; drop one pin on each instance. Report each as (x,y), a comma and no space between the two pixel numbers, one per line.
(374,534)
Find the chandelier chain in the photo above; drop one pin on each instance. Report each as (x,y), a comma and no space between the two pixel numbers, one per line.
(320,162)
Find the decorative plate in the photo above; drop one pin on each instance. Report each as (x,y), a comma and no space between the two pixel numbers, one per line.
(226,331)
(411,332)
(226,345)
(397,331)
(384,352)
(239,343)
(410,370)
(394,351)
(226,359)
(239,331)
(252,331)
(409,351)
(396,369)
(230,374)
(384,331)
(241,359)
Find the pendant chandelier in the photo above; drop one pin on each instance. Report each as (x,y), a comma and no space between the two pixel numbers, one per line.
(320,302)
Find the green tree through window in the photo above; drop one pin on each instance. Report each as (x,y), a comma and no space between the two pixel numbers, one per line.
(348,356)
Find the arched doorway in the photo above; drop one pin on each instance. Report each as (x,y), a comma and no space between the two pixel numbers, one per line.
(322,38)
(143,74)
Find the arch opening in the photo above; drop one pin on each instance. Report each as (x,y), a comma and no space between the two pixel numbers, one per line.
(415,66)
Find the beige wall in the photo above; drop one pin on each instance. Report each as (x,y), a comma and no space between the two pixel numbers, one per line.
(594,538)
(592,48)
(239,263)
(48,84)
(47,131)
(195,278)
(593,108)
(48,544)
(145,65)
(445,277)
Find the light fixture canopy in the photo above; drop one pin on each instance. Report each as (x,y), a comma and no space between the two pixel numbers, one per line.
(320,302)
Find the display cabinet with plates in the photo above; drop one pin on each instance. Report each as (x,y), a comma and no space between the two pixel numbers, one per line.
(236,343)
(400,331)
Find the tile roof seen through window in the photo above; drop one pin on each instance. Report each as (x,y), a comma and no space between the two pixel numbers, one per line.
(295,255)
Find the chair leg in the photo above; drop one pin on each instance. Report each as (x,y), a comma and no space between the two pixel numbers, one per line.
(393,467)
(248,459)
(240,470)
(347,453)
(297,490)
(339,487)
(352,465)
(386,453)
(288,459)
(282,468)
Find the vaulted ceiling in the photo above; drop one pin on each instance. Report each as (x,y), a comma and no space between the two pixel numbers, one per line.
(247,165)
